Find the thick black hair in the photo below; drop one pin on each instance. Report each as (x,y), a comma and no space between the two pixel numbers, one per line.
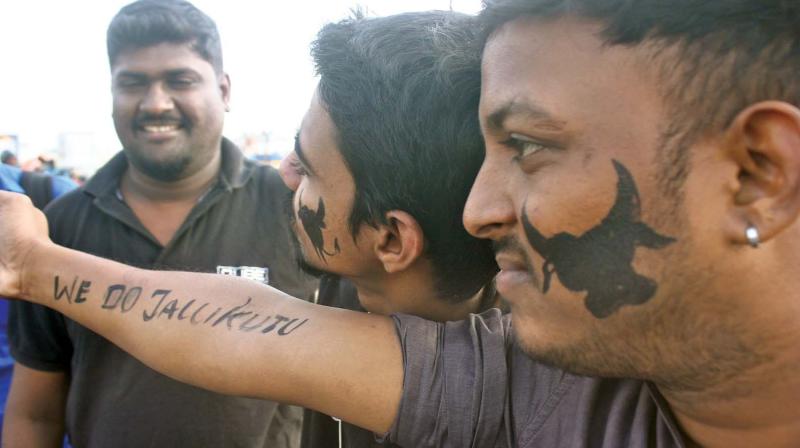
(715,57)
(145,23)
(403,93)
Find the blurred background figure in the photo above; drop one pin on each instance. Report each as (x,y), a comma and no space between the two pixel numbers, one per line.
(41,188)
(9,158)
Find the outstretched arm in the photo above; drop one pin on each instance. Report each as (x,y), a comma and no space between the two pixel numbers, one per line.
(225,334)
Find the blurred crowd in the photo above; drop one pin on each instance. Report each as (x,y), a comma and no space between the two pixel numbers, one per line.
(43,163)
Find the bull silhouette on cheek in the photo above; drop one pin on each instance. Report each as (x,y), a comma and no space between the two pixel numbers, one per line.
(600,261)
(313,224)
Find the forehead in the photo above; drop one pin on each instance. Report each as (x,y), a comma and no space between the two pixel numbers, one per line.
(318,144)
(563,67)
(160,57)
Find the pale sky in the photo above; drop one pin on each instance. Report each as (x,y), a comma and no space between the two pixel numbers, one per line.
(55,78)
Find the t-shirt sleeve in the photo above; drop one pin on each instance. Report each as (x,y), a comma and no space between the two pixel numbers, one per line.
(38,337)
(456,381)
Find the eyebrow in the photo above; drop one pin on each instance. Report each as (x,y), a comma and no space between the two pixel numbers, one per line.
(543,119)
(169,73)
(183,72)
(300,155)
(129,74)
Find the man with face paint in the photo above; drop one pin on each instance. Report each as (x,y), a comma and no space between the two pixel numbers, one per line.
(380,185)
(178,196)
(659,137)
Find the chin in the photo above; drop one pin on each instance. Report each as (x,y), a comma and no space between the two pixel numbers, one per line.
(167,169)
(310,269)
(579,347)
(381,307)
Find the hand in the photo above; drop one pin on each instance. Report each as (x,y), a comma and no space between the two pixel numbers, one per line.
(23,228)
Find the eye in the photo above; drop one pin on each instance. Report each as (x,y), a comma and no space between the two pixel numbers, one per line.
(181,83)
(297,167)
(525,146)
(129,83)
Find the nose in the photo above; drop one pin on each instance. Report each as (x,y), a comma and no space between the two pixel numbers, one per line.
(289,175)
(489,212)
(157,100)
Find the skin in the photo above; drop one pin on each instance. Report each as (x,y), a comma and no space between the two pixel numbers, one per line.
(745,174)
(361,348)
(168,108)
(605,251)
(384,262)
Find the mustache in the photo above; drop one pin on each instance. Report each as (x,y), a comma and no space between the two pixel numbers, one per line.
(511,245)
(167,117)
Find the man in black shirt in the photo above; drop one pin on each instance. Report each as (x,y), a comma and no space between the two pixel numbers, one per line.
(178,197)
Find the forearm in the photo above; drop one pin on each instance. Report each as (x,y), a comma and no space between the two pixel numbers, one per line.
(34,414)
(229,335)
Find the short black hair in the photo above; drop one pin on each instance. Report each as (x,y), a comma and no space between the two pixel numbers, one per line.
(7,155)
(715,57)
(403,93)
(145,23)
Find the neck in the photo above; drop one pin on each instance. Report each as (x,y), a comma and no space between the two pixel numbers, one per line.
(757,407)
(413,295)
(137,184)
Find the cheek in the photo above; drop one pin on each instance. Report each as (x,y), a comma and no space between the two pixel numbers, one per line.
(120,108)
(566,202)
(289,175)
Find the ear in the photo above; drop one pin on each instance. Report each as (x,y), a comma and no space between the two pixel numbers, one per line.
(764,143)
(225,90)
(400,242)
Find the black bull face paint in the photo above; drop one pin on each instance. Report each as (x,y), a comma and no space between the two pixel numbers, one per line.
(600,261)
(313,224)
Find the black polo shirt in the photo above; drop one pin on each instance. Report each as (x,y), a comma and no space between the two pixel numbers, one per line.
(114,400)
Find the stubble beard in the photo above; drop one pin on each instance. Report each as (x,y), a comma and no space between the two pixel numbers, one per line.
(170,170)
(687,340)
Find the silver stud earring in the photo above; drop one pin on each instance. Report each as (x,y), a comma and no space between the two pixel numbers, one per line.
(751,233)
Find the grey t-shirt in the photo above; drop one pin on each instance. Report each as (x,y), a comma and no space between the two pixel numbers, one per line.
(467,384)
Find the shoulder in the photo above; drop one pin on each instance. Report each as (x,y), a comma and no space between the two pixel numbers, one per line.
(9,179)
(266,188)
(65,212)
(631,414)
(70,201)
(62,185)
(456,381)
(267,176)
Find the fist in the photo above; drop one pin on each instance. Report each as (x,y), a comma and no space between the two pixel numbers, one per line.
(23,228)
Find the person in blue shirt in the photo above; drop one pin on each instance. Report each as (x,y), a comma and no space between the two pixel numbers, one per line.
(14,179)
(41,188)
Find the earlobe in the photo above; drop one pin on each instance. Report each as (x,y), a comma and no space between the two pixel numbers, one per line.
(764,143)
(225,89)
(400,241)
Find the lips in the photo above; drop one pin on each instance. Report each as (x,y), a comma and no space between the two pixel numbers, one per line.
(159,130)
(508,262)
(155,128)
(514,273)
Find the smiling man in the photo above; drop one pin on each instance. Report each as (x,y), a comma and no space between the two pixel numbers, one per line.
(163,202)
(661,138)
